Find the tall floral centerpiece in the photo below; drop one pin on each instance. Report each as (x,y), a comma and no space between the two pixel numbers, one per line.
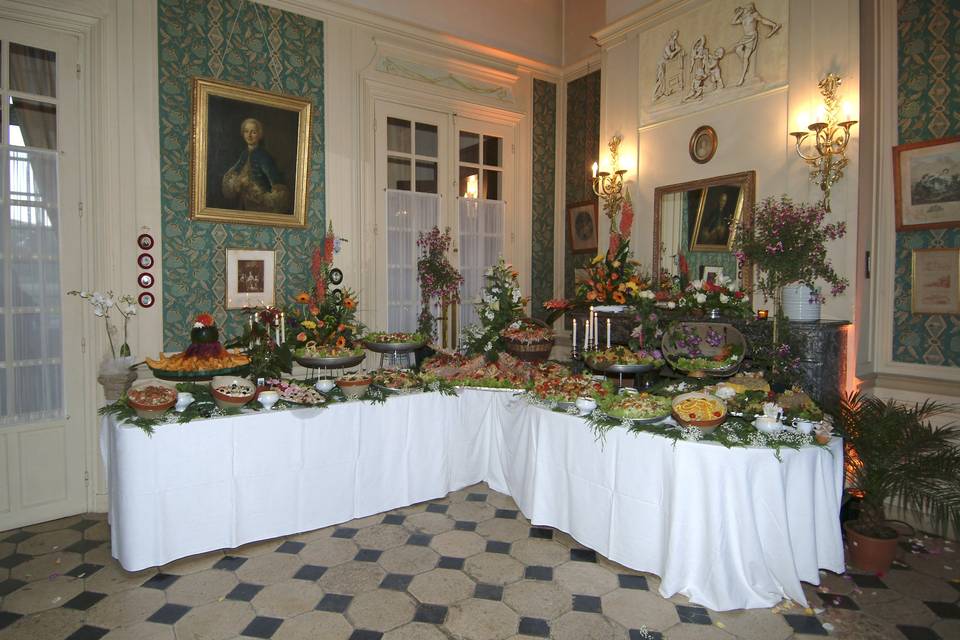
(439,280)
(114,373)
(787,243)
(501,304)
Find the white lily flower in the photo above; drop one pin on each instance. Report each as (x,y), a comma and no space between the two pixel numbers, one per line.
(724,298)
(701,298)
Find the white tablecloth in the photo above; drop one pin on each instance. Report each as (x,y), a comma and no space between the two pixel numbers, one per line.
(728,528)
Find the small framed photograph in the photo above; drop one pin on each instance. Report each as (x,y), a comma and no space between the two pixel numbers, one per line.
(935,280)
(710,274)
(703,144)
(250,278)
(582,222)
(926,179)
(251,155)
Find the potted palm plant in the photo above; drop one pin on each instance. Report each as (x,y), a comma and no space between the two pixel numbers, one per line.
(895,455)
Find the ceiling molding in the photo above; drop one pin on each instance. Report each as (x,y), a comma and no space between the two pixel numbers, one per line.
(648,16)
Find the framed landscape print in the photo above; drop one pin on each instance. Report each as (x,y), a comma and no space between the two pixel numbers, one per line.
(935,280)
(250,278)
(927,184)
(582,223)
(251,155)
(717,218)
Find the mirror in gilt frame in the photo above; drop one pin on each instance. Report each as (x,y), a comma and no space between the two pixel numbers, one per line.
(698,220)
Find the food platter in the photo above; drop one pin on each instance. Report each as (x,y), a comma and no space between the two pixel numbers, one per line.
(711,411)
(622,368)
(334,362)
(394,347)
(641,405)
(198,375)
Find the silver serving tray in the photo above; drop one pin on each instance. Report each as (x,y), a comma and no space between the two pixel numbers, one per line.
(393,347)
(622,368)
(338,362)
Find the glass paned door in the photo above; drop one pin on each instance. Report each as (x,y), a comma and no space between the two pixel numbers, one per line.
(42,409)
(409,150)
(484,166)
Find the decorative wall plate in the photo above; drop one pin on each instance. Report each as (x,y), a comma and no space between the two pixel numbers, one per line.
(145,261)
(145,241)
(703,144)
(337,294)
(145,280)
(336,276)
(146,299)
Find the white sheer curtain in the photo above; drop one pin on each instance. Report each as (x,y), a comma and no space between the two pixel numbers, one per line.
(31,343)
(481,244)
(408,215)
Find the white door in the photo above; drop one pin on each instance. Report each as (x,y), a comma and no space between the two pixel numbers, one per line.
(42,412)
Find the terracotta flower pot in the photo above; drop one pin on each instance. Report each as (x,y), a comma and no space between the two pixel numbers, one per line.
(868,553)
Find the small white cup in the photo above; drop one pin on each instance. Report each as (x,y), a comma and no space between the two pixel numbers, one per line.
(805,426)
(324,385)
(586,405)
(184,400)
(268,399)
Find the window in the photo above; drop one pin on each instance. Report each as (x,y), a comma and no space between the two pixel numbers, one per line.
(31,344)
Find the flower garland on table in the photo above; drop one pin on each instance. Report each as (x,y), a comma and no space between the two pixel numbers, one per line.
(500,305)
(703,295)
(787,243)
(438,278)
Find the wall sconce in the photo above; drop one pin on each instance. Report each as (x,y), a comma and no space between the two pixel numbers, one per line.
(609,186)
(473,186)
(827,157)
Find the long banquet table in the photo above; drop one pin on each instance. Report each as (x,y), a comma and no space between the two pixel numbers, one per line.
(728,528)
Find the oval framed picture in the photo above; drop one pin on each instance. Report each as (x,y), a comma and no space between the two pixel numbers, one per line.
(146,299)
(145,241)
(145,280)
(703,144)
(336,276)
(145,261)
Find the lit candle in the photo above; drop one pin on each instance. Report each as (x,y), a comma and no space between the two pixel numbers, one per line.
(595,167)
(283,328)
(586,336)
(596,330)
(608,333)
(762,314)
(574,341)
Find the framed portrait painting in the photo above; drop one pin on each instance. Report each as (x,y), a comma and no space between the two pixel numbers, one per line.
(717,218)
(250,278)
(927,184)
(582,221)
(251,155)
(935,280)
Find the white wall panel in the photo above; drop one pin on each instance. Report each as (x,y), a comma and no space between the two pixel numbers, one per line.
(43,466)
(4,476)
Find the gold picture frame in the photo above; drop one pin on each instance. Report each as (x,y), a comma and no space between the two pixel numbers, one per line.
(247,145)
(718,215)
(935,280)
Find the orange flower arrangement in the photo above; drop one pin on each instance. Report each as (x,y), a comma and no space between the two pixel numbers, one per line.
(612,279)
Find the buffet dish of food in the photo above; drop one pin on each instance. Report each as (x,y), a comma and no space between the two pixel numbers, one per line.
(397,342)
(699,409)
(638,407)
(621,359)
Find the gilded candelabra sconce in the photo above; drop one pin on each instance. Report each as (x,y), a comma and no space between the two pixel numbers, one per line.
(607,185)
(826,155)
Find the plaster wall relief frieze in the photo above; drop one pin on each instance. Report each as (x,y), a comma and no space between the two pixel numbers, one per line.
(690,71)
(443,78)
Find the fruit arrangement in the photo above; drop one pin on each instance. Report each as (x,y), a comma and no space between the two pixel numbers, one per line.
(205,353)
(315,350)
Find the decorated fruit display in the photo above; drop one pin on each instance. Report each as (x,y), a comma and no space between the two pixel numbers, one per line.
(354,385)
(704,348)
(699,409)
(204,358)
(151,401)
(382,342)
(232,393)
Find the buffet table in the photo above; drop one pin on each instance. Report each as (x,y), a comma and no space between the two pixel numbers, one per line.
(728,528)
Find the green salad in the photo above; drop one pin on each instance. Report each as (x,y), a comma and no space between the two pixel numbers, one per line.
(640,406)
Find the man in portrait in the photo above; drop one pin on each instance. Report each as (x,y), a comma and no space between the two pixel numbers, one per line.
(254,183)
(716,221)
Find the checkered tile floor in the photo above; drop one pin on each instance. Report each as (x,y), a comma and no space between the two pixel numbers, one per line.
(468,566)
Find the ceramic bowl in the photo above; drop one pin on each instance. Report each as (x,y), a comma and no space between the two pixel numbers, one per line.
(268,398)
(708,426)
(324,385)
(353,389)
(242,393)
(768,425)
(150,411)
(586,405)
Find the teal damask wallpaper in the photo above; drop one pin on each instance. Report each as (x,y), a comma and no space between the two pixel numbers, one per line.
(583,145)
(928,104)
(249,44)
(544,181)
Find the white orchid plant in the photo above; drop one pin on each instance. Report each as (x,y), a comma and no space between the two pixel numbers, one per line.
(102,304)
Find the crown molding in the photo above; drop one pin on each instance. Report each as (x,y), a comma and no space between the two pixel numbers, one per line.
(330,9)
(654,13)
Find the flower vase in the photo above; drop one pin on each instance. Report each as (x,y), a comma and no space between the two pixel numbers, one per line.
(797,305)
(116,384)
